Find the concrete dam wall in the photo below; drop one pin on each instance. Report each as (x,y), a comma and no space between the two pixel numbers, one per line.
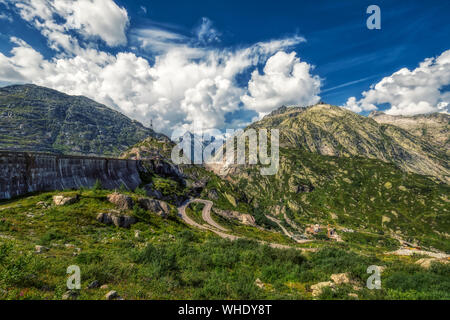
(25,172)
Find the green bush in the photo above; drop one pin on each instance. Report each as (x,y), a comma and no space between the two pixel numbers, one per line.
(97,185)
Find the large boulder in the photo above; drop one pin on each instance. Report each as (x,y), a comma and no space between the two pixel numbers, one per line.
(161,208)
(117,219)
(121,201)
(60,200)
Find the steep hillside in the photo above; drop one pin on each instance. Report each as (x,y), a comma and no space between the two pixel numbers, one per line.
(347,171)
(434,128)
(334,131)
(35,118)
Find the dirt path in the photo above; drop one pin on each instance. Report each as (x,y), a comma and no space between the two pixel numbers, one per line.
(218,229)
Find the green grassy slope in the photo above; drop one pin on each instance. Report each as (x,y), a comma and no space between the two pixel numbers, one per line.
(170,260)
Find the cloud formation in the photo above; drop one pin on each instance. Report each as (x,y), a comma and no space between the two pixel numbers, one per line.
(91,19)
(285,81)
(408,92)
(189,79)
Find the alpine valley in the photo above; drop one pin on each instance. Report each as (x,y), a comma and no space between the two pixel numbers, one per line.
(350,192)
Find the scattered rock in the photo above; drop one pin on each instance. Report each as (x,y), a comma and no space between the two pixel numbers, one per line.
(40,249)
(105,286)
(63,200)
(94,284)
(121,201)
(42,204)
(137,234)
(161,208)
(353,295)
(69,245)
(357,287)
(259,283)
(318,287)
(70,295)
(111,295)
(340,278)
(117,219)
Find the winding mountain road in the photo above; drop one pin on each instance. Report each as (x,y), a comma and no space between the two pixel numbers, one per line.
(218,229)
(206,215)
(285,231)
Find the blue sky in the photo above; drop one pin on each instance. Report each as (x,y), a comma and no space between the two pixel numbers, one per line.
(342,57)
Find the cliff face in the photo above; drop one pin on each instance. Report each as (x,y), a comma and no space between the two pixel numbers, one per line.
(21,173)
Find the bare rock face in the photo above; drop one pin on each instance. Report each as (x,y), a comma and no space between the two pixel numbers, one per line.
(121,201)
(60,200)
(117,219)
(161,208)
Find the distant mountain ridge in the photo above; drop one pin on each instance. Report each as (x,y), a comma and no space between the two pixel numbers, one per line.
(34,118)
(433,127)
(334,131)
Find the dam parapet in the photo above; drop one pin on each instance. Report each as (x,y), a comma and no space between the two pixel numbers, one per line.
(26,172)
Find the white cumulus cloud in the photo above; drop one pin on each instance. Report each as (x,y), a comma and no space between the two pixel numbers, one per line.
(285,81)
(410,92)
(186,81)
(90,18)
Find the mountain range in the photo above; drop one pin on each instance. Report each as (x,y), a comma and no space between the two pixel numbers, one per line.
(350,192)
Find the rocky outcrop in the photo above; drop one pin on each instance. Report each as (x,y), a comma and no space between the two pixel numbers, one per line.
(242,218)
(116,218)
(161,208)
(23,172)
(62,200)
(121,201)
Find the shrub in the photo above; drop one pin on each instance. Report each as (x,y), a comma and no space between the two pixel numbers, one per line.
(97,185)
(140,191)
